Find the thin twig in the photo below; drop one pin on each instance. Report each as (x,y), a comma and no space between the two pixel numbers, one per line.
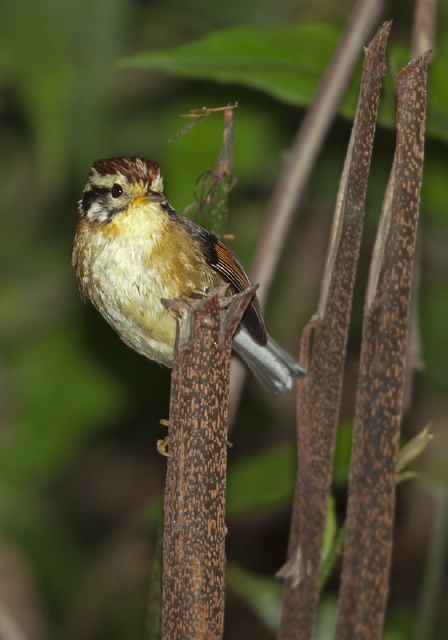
(423,27)
(9,627)
(197,116)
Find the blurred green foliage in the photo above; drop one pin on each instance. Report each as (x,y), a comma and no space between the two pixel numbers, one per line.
(288,63)
(79,411)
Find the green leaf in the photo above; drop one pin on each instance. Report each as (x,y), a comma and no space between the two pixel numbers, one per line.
(342,453)
(331,555)
(288,63)
(263,595)
(326,619)
(262,482)
(330,530)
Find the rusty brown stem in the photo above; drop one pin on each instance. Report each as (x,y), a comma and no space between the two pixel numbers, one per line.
(378,411)
(323,348)
(194,508)
(423,28)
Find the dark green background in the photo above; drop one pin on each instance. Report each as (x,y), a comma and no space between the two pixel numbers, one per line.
(80,479)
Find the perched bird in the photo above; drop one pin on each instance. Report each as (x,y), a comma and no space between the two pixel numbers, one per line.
(131,249)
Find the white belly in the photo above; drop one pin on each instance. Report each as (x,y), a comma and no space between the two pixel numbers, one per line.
(129,298)
(128,266)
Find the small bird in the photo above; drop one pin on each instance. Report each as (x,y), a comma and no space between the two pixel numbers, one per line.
(132,248)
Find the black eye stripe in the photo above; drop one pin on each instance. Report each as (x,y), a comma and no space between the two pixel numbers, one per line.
(91,196)
(101,195)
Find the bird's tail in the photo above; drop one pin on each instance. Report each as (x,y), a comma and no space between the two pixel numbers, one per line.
(273,367)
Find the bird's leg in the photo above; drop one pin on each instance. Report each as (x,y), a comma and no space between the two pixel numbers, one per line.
(163,442)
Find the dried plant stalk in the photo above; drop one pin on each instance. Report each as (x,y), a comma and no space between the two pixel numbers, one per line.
(378,413)
(323,349)
(423,28)
(194,529)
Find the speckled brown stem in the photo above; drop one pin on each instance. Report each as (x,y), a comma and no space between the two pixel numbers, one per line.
(368,547)
(323,348)
(194,529)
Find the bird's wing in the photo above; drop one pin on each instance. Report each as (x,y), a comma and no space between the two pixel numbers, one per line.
(224,261)
(229,266)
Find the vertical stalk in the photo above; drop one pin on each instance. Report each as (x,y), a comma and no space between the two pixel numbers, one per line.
(194,510)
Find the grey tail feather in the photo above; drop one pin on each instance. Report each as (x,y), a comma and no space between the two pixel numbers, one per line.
(273,367)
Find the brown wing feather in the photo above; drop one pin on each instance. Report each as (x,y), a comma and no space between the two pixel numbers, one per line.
(227,263)
(224,261)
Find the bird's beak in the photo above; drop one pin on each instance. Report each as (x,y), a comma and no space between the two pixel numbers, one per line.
(149,197)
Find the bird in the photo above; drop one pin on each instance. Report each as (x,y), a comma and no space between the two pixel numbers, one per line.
(132,249)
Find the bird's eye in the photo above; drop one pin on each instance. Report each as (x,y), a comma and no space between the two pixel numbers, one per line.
(116,190)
